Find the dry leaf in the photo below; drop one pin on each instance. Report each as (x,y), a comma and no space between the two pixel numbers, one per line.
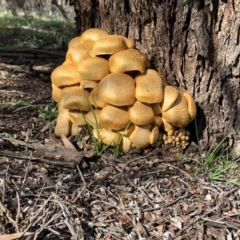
(67,143)
(14,236)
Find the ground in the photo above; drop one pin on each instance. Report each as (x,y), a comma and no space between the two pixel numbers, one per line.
(53,190)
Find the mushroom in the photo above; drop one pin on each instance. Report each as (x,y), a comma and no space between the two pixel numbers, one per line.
(128,60)
(77,99)
(157,121)
(141,113)
(92,118)
(114,118)
(80,52)
(117,89)
(109,45)
(74,42)
(170,95)
(77,117)
(56,93)
(156,108)
(126,144)
(107,136)
(166,126)
(140,136)
(93,34)
(94,68)
(154,135)
(149,87)
(65,75)
(178,114)
(192,108)
(128,42)
(88,84)
(63,124)
(95,100)
(75,130)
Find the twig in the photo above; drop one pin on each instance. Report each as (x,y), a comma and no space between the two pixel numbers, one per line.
(167,204)
(42,160)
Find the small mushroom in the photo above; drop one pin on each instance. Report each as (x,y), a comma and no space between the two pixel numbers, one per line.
(93,34)
(117,89)
(95,100)
(126,144)
(92,118)
(114,118)
(166,126)
(107,136)
(77,117)
(128,60)
(170,95)
(157,121)
(94,68)
(192,108)
(141,113)
(156,108)
(178,114)
(140,136)
(74,42)
(149,87)
(77,99)
(56,93)
(109,45)
(154,135)
(63,124)
(75,55)
(65,75)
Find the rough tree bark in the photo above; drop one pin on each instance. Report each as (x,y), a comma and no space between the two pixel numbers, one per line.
(194,43)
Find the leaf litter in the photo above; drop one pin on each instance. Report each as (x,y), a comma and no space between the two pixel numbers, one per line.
(58,188)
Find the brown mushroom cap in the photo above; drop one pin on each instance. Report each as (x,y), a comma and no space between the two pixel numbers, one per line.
(107,136)
(178,115)
(157,121)
(141,113)
(94,68)
(63,124)
(65,75)
(114,118)
(170,95)
(154,135)
(76,117)
(75,130)
(166,126)
(95,100)
(109,45)
(80,52)
(77,99)
(192,108)
(126,144)
(128,60)
(149,87)
(93,34)
(74,42)
(117,89)
(92,118)
(156,108)
(56,93)
(140,136)
(128,42)
(88,84)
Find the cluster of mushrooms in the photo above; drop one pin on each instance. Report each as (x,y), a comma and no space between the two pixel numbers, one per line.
(106,83)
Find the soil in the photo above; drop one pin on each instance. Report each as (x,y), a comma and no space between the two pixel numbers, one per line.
(52,190)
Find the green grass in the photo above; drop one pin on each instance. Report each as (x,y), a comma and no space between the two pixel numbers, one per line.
(35,31)
(46,112)
(219,163)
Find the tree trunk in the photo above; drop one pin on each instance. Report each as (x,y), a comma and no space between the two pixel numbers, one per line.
(193,43)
